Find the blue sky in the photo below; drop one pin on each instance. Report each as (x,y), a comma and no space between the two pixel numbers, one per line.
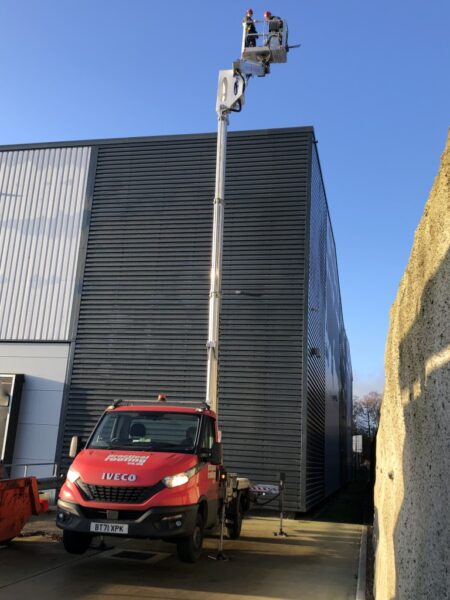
(371,77)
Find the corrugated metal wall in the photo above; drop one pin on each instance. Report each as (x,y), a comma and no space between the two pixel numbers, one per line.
(261,369)
(143,315)
(142,323)
(346,410)
(329,383)
(42,194)
(315,395)
(334,326)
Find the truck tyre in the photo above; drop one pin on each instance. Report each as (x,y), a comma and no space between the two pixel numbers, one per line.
(76,543)
(189,548)
(235,517)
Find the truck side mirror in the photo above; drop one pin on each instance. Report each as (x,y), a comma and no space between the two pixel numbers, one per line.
(217,453)
(75,445)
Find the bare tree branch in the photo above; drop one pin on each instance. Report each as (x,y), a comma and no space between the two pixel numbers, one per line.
(366,414)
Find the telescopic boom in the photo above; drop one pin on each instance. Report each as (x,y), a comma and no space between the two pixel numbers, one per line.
(271,47)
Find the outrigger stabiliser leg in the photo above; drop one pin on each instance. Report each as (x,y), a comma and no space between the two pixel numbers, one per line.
(226,484)
(281,532)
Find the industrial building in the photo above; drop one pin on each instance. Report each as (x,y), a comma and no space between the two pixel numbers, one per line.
(104,281)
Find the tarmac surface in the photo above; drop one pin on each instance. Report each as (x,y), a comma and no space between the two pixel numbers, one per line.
(318,560)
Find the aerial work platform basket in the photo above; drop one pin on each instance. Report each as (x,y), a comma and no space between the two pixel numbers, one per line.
(269,44)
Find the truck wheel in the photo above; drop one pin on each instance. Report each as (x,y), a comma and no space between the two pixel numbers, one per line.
(76,543)
(235,517)
(189,548)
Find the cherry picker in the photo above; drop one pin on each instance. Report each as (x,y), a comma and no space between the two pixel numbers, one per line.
(157,471)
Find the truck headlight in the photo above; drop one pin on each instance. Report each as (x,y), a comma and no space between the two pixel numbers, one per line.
(72,475)
(175,480)
(178,479)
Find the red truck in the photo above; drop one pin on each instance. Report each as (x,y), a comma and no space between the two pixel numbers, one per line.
(148,472)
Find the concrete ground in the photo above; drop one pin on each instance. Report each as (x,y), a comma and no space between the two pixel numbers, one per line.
(318,560)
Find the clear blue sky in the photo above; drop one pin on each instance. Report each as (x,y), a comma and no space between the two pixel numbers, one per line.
(373,78)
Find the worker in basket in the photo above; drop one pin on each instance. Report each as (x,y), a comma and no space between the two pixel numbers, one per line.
(275,26)
(250,30)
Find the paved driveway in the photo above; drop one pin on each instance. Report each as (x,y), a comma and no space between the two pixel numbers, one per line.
(317,561)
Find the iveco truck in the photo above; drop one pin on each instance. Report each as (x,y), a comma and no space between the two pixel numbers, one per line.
(149,472)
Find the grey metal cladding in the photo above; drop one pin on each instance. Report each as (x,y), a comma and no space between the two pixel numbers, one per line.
(263,308)
(143,314)
(346,409)
(329,379)
(42,197)
(315,393)
(338,393)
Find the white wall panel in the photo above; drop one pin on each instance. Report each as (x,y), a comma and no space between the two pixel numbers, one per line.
(42,196)
(44,367)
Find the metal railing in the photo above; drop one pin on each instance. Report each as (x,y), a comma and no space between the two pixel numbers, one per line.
(272,32)
(50,482)
(26,466)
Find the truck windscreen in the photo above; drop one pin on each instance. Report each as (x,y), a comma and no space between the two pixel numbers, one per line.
(147,431)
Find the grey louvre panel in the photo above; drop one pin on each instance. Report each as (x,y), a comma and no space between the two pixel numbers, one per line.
(142,323)
(143,315)
(346,410)
(333,327)
(263,309)
(329,378)
(42,200)
(315,413)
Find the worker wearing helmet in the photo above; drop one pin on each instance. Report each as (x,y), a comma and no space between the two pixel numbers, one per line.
(275,25)
(250,30)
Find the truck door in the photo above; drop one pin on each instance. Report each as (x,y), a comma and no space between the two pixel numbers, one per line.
(209,485)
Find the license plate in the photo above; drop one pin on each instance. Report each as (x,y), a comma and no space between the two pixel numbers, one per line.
(116,528)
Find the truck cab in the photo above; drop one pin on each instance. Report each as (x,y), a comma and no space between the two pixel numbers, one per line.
(145,472)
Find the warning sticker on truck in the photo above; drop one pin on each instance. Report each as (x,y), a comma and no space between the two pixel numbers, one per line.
(265,489)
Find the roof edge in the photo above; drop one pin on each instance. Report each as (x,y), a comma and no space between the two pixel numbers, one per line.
(154,138)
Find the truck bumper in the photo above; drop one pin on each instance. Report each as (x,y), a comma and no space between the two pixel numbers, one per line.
(161,522)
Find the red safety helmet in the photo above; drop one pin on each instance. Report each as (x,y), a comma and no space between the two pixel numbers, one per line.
(267,14)
(250,11)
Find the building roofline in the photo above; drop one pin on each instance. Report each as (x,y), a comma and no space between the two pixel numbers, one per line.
(153,138)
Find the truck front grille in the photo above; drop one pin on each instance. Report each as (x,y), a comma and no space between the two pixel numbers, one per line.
(102,513)
(118,494)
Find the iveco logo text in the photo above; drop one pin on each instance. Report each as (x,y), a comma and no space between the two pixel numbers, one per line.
(119,476)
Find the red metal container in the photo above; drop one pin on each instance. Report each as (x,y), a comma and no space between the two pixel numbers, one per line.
(19,499)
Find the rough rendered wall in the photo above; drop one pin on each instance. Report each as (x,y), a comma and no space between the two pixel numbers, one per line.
(412,491)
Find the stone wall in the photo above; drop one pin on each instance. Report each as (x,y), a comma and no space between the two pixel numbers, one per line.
(412,491)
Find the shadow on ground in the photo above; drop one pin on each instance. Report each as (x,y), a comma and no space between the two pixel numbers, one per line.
(352,504)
